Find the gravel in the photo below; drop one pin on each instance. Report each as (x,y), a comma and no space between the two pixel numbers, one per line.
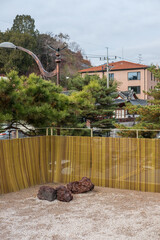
(103,214)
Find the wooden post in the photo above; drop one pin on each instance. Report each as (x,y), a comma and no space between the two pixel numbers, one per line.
(137,133)
(16,133)
(58,60)
(91,132)
(46,131)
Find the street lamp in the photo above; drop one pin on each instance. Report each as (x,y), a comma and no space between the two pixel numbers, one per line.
(42,70)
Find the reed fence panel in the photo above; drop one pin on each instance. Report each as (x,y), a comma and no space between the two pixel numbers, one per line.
(126,163)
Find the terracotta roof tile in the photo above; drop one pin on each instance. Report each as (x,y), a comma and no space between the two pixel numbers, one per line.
(121,65)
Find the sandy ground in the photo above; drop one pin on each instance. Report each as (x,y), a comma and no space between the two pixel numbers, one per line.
(103,214)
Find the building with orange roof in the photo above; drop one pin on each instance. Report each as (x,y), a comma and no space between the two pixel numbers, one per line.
(129,75)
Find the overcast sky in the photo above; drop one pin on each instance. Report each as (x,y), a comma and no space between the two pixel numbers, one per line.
(127,27)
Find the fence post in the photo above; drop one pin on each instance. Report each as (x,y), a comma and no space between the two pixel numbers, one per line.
(91,132)
(114,133)
(137,133)
(51,131)
(46,131)
(16,133)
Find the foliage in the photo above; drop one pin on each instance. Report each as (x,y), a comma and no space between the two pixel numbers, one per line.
(24,24)
(14,59)
(79,103)
(46,104)
(31,101)
(77,82)
(94,103)
(102,114)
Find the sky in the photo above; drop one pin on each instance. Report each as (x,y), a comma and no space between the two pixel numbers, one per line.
(130,29)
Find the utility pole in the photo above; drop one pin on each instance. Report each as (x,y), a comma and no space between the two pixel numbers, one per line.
(107,64)
(107,69)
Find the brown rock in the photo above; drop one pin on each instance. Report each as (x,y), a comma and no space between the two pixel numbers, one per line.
(84,185)
(63,194)
(47,193)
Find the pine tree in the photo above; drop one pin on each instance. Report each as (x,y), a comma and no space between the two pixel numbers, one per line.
(31,101)
(102,114)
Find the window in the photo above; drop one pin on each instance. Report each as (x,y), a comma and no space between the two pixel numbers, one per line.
(111,76)
(134,76)
(152,77)
(120,113)
(136,89)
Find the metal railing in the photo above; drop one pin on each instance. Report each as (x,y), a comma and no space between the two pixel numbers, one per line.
(92,132)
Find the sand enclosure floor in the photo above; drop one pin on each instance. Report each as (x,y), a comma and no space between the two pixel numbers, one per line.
(103,214)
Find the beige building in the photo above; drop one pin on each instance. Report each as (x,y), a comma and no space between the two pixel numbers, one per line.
(130,76)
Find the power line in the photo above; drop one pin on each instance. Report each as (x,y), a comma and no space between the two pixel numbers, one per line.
(103,57)
(5,22)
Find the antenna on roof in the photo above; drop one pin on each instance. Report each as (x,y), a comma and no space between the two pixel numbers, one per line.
(122,54)
(140,58)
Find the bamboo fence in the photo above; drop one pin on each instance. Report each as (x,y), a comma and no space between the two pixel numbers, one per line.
(126,163)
